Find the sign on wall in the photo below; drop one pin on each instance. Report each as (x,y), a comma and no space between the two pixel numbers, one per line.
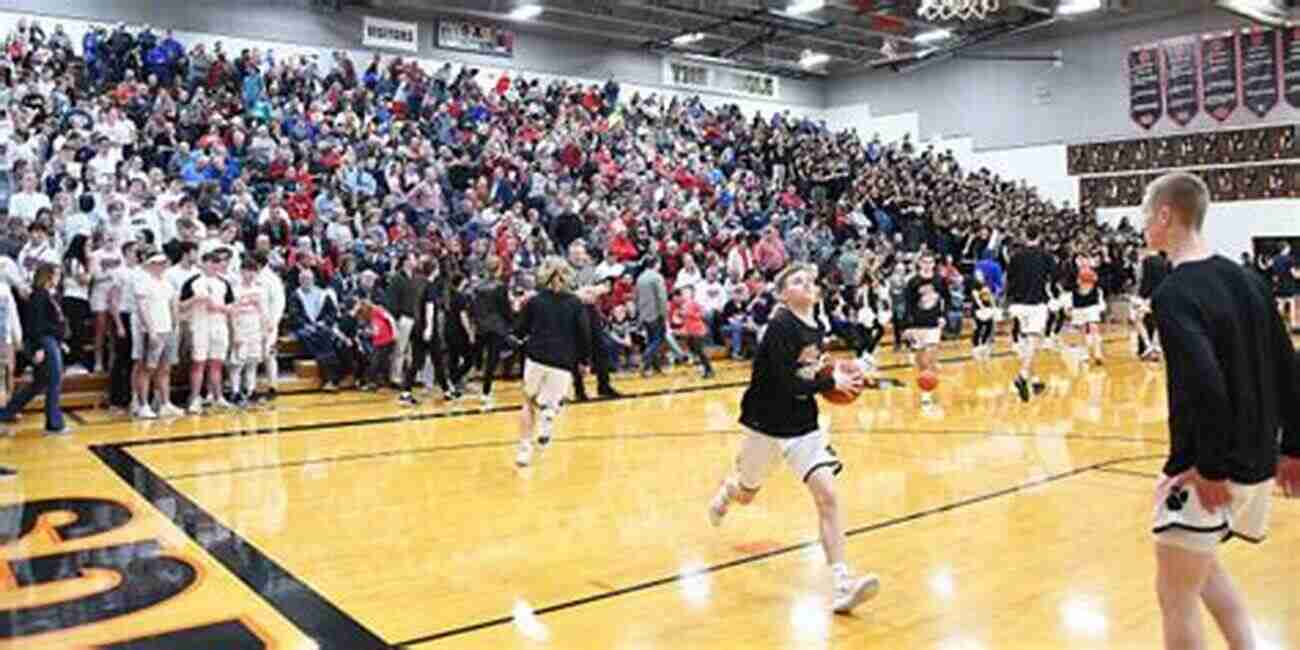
(1219,87)
(1182,81)
(1291,65)
(391,34)
(1259,69)
(1146,102)
(475,37)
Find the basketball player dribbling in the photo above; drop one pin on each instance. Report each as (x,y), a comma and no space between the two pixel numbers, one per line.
(1028,275)
(779,412)
(1232,385)
(927,300)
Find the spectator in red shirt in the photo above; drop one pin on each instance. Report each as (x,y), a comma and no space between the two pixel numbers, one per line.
(687,320)
(769,254)
(382,329)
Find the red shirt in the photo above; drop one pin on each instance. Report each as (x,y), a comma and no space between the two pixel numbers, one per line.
(381,322)
(687,317)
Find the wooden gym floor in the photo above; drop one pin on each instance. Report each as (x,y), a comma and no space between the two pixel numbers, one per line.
(345,521)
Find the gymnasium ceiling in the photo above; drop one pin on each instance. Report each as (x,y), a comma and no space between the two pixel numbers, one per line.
(760,35)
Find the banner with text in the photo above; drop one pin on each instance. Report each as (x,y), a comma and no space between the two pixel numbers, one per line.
(1146,102)
(1220,91)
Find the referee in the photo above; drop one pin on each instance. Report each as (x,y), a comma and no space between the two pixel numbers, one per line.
(590,287)
(1232,387)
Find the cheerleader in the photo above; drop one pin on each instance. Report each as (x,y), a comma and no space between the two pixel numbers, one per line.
(985,314)
(1088,305)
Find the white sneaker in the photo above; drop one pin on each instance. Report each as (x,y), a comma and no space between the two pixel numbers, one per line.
(169,410)
(718,507)
(525,454)
(145,413)
(196,407)
(222,404)
(850,592)
(927,399)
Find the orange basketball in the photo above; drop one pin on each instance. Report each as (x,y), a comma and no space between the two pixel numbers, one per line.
(835,395)
(1087,276)
(927,381)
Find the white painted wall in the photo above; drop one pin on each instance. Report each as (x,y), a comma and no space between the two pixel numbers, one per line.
(859,117)
(1229,227)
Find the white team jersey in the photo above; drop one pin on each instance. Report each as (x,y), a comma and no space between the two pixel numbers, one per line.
(156,296)
(250,311)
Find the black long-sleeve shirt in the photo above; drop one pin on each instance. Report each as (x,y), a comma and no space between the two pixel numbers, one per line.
(780,400)
(1232,382)
(1027,276)
(1154,271)
(557,327)
(44,318)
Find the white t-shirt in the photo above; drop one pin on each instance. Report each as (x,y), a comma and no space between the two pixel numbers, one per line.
(24,205)
(250,310)
(129,278)
(275,298)
(32,255)
(155,295)
(72,285)
(217,290)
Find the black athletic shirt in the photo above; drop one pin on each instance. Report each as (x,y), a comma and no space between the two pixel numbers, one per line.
(781,398)
(1232,381)
(926,309)
(557,327)
(1090,299)
(1154,271)
(1027,276)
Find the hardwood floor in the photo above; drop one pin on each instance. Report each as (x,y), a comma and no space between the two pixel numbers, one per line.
(347,521)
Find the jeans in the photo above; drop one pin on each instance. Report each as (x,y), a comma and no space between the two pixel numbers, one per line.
(47,376)
(654,340)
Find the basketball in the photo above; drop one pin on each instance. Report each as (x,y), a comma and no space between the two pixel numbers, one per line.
(1087,276)
(927,381)
(835,395)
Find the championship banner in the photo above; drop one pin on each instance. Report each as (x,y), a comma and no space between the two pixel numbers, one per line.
(1220,90)
(476,38)
(1182,81)
(1291,65)
(1146,102)
(392,34)
(1258,67)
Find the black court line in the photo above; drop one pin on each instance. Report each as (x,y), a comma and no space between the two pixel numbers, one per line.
(1128,472)
(490,444)
(749,559)
(310,612)
(466,412)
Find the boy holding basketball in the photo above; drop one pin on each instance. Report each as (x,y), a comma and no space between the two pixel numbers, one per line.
(779,412)
(927,300)
(1087,307)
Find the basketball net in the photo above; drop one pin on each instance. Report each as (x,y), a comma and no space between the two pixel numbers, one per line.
(957,9)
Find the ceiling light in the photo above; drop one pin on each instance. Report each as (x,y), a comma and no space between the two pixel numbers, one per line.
(812,59)
(526,12)
(1073,7)
(932,36)
(687,39)
(805,6)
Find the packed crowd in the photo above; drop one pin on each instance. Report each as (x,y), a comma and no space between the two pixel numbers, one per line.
(195,205)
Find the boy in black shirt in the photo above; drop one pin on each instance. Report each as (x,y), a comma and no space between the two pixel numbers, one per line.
(559,334)
(1232,387)
(779,410)
(1027,277)
(927,300)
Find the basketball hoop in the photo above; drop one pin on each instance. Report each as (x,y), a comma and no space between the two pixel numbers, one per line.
(957,9)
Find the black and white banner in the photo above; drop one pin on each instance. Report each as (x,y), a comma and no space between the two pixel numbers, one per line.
(1259,69)
(1220,90)
(1146,100)
(1291,65)
(1182,80)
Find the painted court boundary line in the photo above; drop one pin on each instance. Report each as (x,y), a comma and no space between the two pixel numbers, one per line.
(334,629)
(785,550)
(465,412)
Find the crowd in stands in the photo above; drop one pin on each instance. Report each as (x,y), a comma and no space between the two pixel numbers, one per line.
(388,211)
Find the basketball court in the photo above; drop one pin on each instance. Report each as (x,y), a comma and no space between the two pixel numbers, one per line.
(345,521)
